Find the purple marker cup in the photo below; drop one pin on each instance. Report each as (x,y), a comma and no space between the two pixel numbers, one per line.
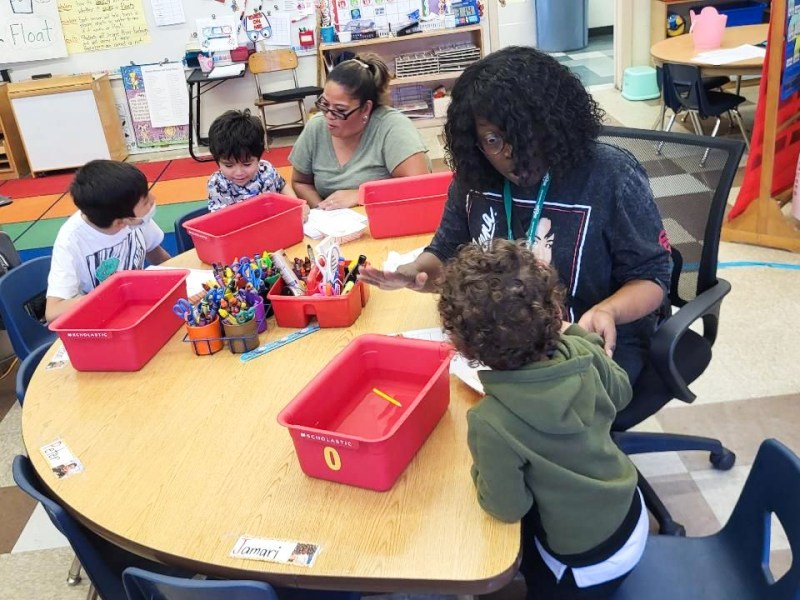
(261,315)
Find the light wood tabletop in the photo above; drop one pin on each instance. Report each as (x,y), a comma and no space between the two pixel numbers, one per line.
(185,456)
(681,50)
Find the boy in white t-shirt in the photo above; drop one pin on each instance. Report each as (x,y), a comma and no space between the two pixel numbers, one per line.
(112,231)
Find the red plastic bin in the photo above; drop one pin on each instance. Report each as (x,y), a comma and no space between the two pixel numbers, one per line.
(124,322)
(331,311)
(344,432)
(266,222)
(405,205)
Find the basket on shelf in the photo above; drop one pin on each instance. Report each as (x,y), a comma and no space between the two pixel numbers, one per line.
(456,57)
(416,63)
(415,101)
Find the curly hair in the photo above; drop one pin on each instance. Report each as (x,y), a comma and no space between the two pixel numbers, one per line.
(501,306)
(542,109)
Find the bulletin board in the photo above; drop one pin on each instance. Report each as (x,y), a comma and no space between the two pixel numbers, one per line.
(166,42)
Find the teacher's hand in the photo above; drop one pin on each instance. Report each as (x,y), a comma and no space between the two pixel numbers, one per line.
(340,199)
(601,321)
(388,280)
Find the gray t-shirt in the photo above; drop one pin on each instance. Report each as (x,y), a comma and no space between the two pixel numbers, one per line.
(389,138)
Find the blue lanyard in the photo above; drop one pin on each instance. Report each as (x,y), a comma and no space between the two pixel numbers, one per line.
(537,211)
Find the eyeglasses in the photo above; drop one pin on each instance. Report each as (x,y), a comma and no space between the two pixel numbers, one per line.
(325,108)
(491,144)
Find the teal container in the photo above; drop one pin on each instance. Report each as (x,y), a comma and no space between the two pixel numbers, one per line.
(639,83)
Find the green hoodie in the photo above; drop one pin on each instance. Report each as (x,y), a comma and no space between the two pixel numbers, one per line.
(540,439)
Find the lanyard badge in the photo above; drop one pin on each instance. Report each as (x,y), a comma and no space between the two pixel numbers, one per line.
(537,210)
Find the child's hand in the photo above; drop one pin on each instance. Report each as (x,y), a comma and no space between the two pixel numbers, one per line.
(601,321)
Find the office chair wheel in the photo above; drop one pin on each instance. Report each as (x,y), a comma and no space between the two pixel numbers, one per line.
(672,528)
(724,460)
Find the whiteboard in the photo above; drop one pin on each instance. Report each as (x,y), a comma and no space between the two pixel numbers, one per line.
(168,42)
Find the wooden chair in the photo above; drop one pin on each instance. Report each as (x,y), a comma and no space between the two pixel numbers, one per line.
(274,61)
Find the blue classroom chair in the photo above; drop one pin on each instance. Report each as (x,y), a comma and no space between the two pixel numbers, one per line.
(18,287)
(103,561)
(26,369)
(733,563)
(183,240)
(143,585)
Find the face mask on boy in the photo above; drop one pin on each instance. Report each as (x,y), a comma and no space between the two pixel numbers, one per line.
(142,221)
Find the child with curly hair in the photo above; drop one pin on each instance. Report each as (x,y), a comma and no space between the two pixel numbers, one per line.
(540,438)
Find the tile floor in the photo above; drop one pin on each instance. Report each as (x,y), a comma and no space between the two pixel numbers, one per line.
(750,392)
(593,64)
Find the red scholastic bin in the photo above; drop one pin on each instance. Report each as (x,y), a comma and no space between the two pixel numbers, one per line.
(331,311)
(346,424)
(266,222)
(124,322)
(405,205)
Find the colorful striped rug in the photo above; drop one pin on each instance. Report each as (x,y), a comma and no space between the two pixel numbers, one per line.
(43,203)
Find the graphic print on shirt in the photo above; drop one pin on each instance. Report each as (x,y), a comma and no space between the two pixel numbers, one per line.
(127,255)
(560,235)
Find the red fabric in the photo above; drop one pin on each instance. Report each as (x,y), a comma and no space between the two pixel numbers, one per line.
(787,146)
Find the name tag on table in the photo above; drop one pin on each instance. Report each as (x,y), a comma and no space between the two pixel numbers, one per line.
(279,551)
(61,459)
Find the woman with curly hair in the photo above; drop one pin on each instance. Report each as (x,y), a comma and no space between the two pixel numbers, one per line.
(521,138)
(540,439)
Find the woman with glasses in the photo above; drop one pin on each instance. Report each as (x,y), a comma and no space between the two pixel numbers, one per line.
(521,138)
(355,139)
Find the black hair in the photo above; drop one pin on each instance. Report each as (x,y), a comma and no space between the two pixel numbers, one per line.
(501,306)
(105,190)
(236,135)
(541,108)
(365,77)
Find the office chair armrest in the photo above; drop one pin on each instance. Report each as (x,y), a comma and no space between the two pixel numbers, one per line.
(666,338)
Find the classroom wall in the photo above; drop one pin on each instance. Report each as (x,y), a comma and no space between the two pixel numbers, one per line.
(601,13)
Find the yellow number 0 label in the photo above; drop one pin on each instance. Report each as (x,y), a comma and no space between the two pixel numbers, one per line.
(332,458)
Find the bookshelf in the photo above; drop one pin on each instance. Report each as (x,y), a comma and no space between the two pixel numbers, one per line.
(13,163)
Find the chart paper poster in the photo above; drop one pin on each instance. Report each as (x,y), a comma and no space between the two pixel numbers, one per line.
(30,30)
(147,135)
(91,25)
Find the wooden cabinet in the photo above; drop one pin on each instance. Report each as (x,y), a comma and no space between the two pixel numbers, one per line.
(67,121)
(13,163)
(389,48)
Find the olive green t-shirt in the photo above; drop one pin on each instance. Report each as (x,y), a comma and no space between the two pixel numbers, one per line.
(389,138)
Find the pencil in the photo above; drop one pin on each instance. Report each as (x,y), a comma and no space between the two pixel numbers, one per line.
(386,397)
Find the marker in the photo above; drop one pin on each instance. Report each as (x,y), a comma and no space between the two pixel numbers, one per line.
(386,397)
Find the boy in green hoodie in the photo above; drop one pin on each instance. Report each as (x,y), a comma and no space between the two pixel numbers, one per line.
(540,438)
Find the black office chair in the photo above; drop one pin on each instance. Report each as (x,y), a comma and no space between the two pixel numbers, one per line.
(734,562)
(691,199)
(183,241)
(685,86)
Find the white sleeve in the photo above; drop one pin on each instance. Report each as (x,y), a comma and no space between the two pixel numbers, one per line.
(63,281)
(153,236)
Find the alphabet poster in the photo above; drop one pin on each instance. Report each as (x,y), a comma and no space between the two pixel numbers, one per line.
(147,135)
(91,25)
(30,30)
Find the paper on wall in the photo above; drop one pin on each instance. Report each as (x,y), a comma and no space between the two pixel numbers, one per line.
(167,101)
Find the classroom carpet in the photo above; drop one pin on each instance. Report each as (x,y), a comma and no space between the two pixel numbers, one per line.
(42,204)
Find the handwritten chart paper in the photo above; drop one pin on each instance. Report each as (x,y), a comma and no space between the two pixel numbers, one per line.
(30,30)
(167,100)
(91,25)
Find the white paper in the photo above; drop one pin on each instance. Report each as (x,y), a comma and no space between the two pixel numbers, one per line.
(730,55)
(279,551)
(167,100)
(227,71)
(281,30)
(339,223)
(195,280)
(395,259)
(217,34)
(168,12)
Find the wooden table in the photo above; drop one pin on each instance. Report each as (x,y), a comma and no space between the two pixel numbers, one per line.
(681,50)
(186,455)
